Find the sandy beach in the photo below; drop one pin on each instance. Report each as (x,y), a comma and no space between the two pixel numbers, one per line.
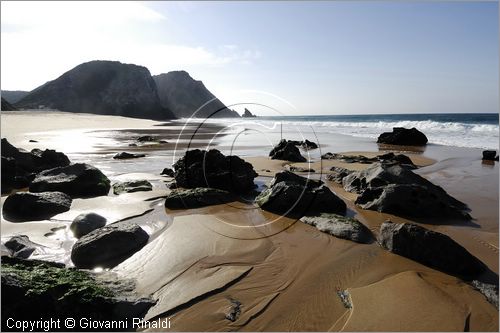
(281,274)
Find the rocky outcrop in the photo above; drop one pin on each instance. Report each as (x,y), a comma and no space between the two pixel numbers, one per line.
(340,226)
(197,197)
(490,291)
(101,87)
(308,145)
(212,169)
(397,190)
(108,246)
(86,223)
(126,156)
(187,97)
(389,158)
(286,151)
(248,114)
(132,186)
(404,137)
(293,195)
(338,174)
(429,248)
(48,159)
(24,206)
(33,289)
(6,106)
(76,180)
(490,155)
(294,168)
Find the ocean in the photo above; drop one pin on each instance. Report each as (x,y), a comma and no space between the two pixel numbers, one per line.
(478,130)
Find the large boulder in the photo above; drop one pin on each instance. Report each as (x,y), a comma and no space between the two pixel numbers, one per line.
(429,248)
(24,206)
(86,223)
(340,226)
(211,168)
(76,180)
(132,186)
(197,197)
(286,151)
(490,155)
(108,246)
(33,289)
(49,158)
(404,137)
(294,195)
(396,189)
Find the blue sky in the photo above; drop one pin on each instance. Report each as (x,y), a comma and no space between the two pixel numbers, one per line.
(321,57)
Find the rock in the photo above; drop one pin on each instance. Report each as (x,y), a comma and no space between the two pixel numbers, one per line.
(33,289)
(397,190)
(21,246)
(308,145)
(490,291)
(340,226)
(25,161)
(248,114)
(330,156)
(125,155)
(108,246)
(146,138)
(132,145)
(235,308)
(391,158)
(31,140)
(8,174)
(172,186)
(162,141)
(286,151)
(197,197)
(429,248)
(168,172)
(86,223)
(291,194)
(186,97)
(49,159)
(490,155)
(101,87)
(77,180)
(338,174)
(24,206)
(132,186)
(403,136)
(294,168)
(212,169)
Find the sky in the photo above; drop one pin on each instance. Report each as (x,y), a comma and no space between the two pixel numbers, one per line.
(327,57)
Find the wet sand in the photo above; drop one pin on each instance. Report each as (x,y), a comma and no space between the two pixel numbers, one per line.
(284,274)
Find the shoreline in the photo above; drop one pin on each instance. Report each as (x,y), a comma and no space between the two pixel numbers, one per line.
(219,253)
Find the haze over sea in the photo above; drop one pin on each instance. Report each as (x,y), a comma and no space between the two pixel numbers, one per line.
(472,130)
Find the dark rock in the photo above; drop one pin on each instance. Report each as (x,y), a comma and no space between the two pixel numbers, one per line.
(101,87)
(294,168)
(330,156)
(86,223)
(338,174)
(391,158)
(187,97)
(308,145)
(162,141)
(24,160)
(8,174)
(49,159)
(248,114)
(403,136)
(24,206)
(125,155)
(197,197)
(21,246)
(146,138)
(490,155)
(429,248)
(286,151)
(235,309)
(168,172)
(212,169)
(397,190)
(294,195)
(490,291)
(77,180)
(108,246)
(132,145)
(33,289)
(132,186)
(172,186)
(340,226)
(32,140)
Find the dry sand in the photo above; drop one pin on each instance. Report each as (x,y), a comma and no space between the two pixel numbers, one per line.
(286,275)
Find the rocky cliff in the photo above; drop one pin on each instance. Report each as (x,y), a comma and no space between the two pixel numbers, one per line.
(6,106)
(13,96)
(186,97)
(101,87)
